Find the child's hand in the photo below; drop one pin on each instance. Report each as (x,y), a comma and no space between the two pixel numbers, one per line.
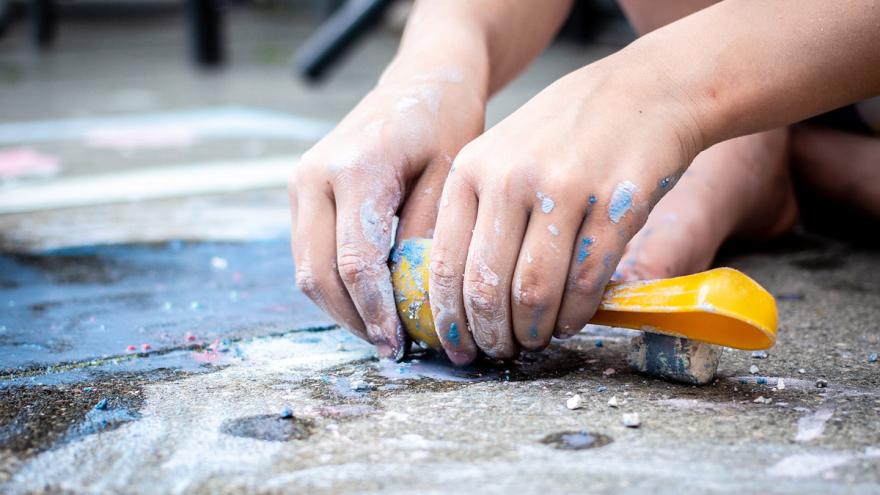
(397,145)
(536,212)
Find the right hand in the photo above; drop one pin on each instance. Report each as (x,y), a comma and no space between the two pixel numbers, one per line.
(395,147)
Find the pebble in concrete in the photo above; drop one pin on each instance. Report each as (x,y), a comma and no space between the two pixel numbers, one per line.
(574,402)
(631,420)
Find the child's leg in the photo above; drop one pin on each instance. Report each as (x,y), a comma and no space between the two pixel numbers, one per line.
(738,188)
(840,166)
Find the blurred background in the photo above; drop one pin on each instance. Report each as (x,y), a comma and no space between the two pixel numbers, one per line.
(191,106)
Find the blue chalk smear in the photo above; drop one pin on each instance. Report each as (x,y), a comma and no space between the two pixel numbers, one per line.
(592,200)
(762,380)
(410,250)
(453,336)
(667,182)
(599,343)
(601,388)
(621,201)
(584,250)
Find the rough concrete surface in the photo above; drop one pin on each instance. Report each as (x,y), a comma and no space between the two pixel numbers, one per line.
(236,383)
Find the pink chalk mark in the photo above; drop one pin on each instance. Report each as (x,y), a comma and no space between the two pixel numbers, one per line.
(134,138)
(25,162)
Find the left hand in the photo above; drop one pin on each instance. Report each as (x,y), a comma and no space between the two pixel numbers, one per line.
(536,212)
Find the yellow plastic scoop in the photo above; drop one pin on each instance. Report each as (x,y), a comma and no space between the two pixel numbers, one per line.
(721,306)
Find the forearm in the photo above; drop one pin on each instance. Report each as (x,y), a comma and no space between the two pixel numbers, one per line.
(487,42)
(746,65)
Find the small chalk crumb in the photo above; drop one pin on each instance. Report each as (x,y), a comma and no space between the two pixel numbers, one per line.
(340,347)
(131,348)
(553,229)
(802,371)
(574,402)
(599,343)
(146,347)
(601,388)
(631,420)
(872,358)
(780,384)
(219,263)
(609,372)
(762,400)
(762,380)
(102,404)
(286,413)
(189,337)
(88,389)
(760,354)
(753,369)
(612,402)
(821,383)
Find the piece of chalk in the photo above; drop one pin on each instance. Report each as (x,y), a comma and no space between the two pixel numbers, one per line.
(674,358)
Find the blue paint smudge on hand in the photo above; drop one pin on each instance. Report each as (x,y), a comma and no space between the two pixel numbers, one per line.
(621,201)
(584,250)
(452,336)
(592,200)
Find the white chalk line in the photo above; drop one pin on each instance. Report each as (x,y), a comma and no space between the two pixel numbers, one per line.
(153,183)
(206,123)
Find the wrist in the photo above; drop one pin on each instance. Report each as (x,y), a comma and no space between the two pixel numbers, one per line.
(457,55)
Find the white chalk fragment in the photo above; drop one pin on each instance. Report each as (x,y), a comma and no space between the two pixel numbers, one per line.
(574,402)
(762,400)
(219,263)
(753,369)
(760,354)
(631,420)
(612,402)
(780,384)
(609,372)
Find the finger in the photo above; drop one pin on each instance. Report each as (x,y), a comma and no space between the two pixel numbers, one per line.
(365,211)
(419,213)
(452,236)
(610,222)
(494,248)
(542,267)
(314,247)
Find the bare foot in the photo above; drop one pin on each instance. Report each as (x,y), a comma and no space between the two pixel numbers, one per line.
(740,188)
(839,166)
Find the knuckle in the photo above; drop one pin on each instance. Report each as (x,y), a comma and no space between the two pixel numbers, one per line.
(533,291)
(353,266)
(483,297)
(309,283)
(443,273)
(584,284)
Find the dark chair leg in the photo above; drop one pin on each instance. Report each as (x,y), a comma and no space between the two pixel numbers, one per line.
(335,35)
(205,19)
(44,22)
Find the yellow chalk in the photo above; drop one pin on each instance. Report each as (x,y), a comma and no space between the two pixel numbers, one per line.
(721,306)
